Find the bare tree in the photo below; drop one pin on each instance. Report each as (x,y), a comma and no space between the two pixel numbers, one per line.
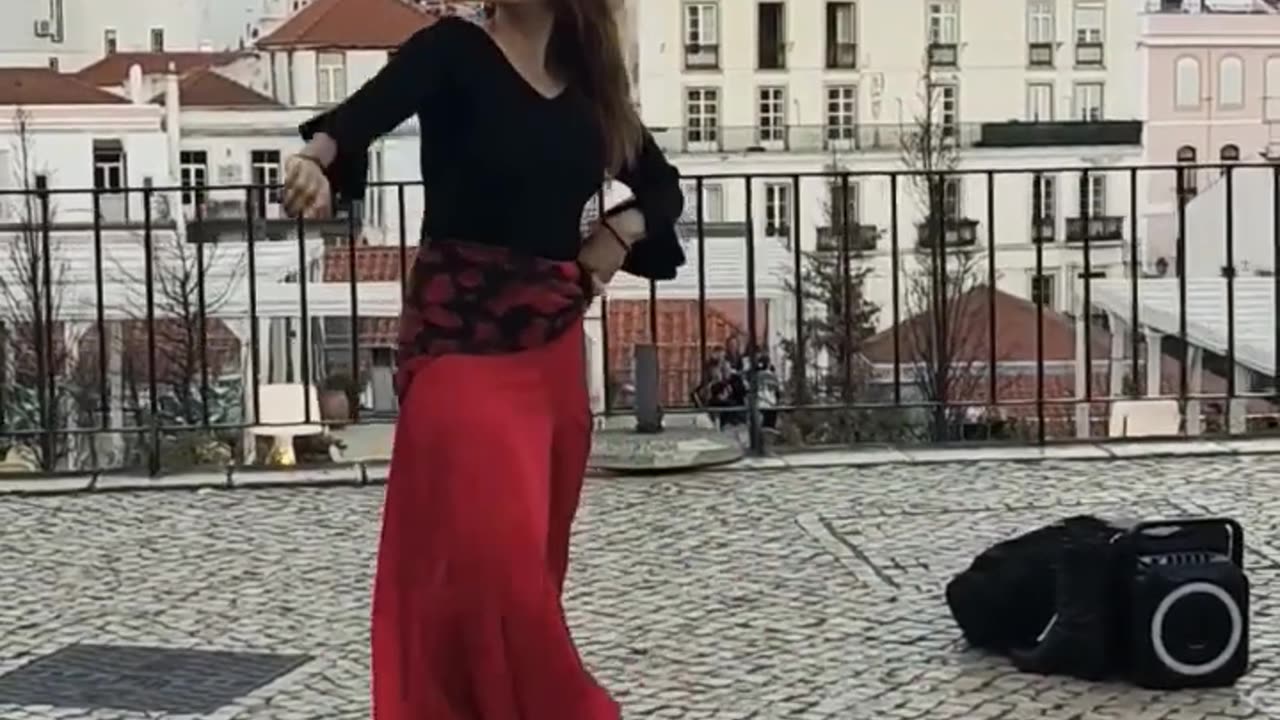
(173,311)
(941,339)
(39,398)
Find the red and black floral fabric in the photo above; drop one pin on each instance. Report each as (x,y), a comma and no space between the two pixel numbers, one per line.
(469,299)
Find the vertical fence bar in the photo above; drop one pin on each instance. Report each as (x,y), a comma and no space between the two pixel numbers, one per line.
(202,301)
(255,369)
(353,216)
(1086,221)
(100,319)
(44,349)
(846,290)
(653,314)
(604,353)
(1037,211)
(895,305)
(702,275)
(1181,267)
(153,383)
(404,240)
(992,391)
(1135,347)
(800,371)
(304,321)
(1230,271)
(756,439)
(1275,284)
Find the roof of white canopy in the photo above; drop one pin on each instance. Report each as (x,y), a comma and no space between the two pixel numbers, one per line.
(1159,309)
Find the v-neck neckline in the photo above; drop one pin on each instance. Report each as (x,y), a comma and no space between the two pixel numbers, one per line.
(515,71)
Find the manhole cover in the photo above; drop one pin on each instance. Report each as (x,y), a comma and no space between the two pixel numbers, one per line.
(142,679)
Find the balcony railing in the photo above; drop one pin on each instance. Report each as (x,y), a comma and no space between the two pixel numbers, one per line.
(1101,228)
(1044,230)
(956,233)
(886,137)
(861,238)
(155,339)
(701,56)
(842,55)
(773,57)
(1089,54)
(1040,54)
(943,55)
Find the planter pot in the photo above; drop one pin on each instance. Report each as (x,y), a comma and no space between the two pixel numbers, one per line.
(335,407)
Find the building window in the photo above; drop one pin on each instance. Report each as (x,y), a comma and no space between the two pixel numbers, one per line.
(110,41)
(1187,176)
(947,109)
(701,36)
(265,175)
(842,115)
(842,43)
(944,33)
(1040,102)
(1088,102)
(1229,153)
(331,77)
(771,35)
(1093,190)
(1042,290)
(1271,89)
(108,165)
(1044,225)
(1090,19)
(1230,82)
(1186,83)
(1040,33)
(702,116)
(712,202)
(157,40)
(771,116)
(777,210)
(194,176)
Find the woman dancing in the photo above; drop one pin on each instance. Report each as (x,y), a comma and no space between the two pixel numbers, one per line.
(521,120)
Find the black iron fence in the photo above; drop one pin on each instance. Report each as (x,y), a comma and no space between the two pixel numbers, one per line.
(163,329)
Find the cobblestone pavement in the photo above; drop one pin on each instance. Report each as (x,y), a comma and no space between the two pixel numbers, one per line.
(797,594)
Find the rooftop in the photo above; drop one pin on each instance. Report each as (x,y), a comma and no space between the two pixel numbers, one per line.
(795,592)
(206,87)
(42,86)
(114,69)
(348,24)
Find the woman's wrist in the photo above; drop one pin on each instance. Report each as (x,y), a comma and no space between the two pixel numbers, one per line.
(616,236)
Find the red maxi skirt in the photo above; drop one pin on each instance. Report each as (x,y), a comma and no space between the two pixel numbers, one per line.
(486,472)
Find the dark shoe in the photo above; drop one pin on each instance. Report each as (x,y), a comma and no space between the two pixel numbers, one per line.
(1075,642)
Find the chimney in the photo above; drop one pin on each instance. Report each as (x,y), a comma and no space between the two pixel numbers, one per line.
(136,89)
(173,120)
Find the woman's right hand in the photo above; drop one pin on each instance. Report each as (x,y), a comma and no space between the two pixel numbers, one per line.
(306,188)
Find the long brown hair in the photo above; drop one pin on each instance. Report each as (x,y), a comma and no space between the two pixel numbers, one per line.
(586,45)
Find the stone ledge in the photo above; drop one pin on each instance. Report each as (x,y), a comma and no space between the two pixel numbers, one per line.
(375,472)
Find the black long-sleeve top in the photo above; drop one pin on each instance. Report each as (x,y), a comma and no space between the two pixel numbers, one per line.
(502,164)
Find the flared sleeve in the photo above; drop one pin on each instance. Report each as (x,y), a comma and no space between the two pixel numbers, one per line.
(655,183)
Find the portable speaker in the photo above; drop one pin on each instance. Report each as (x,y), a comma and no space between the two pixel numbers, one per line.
(1188,603)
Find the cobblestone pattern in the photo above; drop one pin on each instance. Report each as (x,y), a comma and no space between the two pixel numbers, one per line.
(723,596)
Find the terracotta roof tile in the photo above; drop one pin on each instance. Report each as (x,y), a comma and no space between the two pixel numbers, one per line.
(380,24)
(42,86)
(374,263)
(114,69)
(207,88)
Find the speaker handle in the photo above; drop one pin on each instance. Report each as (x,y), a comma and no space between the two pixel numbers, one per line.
(1237,532)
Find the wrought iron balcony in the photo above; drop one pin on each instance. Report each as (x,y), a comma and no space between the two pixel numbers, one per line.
(1102,228)
(842,55)
(1060,134)
(862,238)
(957,232)
(943,55)
(701,56)
(1044,230)
(1089,54)
(1040,54)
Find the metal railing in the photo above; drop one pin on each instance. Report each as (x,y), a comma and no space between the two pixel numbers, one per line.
(150,347)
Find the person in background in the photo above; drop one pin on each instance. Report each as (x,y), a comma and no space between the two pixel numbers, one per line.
(521,121)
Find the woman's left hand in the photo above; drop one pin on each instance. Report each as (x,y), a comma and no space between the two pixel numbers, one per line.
(602,255)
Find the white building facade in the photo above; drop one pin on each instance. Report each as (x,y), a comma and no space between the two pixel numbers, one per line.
(802,86)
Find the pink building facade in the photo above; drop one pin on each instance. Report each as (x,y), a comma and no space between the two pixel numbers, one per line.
(1212,95)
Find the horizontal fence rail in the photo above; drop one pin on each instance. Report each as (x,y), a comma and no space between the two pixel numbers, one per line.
(161,329)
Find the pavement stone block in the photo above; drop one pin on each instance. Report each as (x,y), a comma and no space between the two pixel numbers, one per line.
(724,595)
